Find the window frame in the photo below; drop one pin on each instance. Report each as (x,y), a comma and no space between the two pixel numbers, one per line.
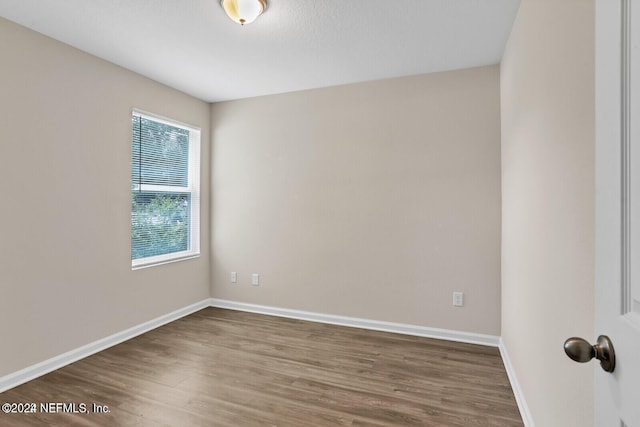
(193,188)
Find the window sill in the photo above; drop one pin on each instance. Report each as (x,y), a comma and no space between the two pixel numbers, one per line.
(163,260)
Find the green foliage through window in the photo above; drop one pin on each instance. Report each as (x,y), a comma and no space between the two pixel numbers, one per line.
(159,224)
(160,153)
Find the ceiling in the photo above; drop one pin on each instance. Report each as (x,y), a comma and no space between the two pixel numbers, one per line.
(191,45)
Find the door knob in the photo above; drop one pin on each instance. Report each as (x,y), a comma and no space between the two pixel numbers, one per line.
(581,351)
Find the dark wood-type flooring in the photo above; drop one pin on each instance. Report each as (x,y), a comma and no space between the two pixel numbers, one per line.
(227,368)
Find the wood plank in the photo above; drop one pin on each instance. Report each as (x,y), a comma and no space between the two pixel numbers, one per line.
(221,367)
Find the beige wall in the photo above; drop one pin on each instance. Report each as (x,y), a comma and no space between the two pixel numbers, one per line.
(548,137)
(374,200)
(65,150)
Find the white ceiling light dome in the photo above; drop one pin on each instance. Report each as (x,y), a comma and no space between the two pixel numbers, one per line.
(244,11)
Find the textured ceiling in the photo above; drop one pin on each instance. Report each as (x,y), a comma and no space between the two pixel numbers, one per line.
(192,46)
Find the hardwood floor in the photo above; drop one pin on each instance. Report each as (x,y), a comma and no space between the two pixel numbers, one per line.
(221,367)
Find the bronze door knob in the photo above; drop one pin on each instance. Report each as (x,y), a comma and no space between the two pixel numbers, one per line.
(580,350)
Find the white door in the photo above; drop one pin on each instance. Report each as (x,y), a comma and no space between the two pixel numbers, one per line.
(617,395)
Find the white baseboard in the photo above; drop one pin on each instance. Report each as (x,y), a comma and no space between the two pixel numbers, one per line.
(515,386)
(376,325)
(27,374)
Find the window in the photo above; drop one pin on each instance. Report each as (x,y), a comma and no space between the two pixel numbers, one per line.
(165,197)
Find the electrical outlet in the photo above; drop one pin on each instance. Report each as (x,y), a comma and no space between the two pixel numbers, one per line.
(458,299)
(255,279)
(234,277)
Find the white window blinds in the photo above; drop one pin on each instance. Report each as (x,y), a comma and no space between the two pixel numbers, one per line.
(164,190)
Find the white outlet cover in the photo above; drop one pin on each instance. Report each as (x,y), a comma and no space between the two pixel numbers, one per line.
(234,277)
(255,279)
(458,299)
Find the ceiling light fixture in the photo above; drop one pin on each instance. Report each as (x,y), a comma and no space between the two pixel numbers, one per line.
(244,11)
